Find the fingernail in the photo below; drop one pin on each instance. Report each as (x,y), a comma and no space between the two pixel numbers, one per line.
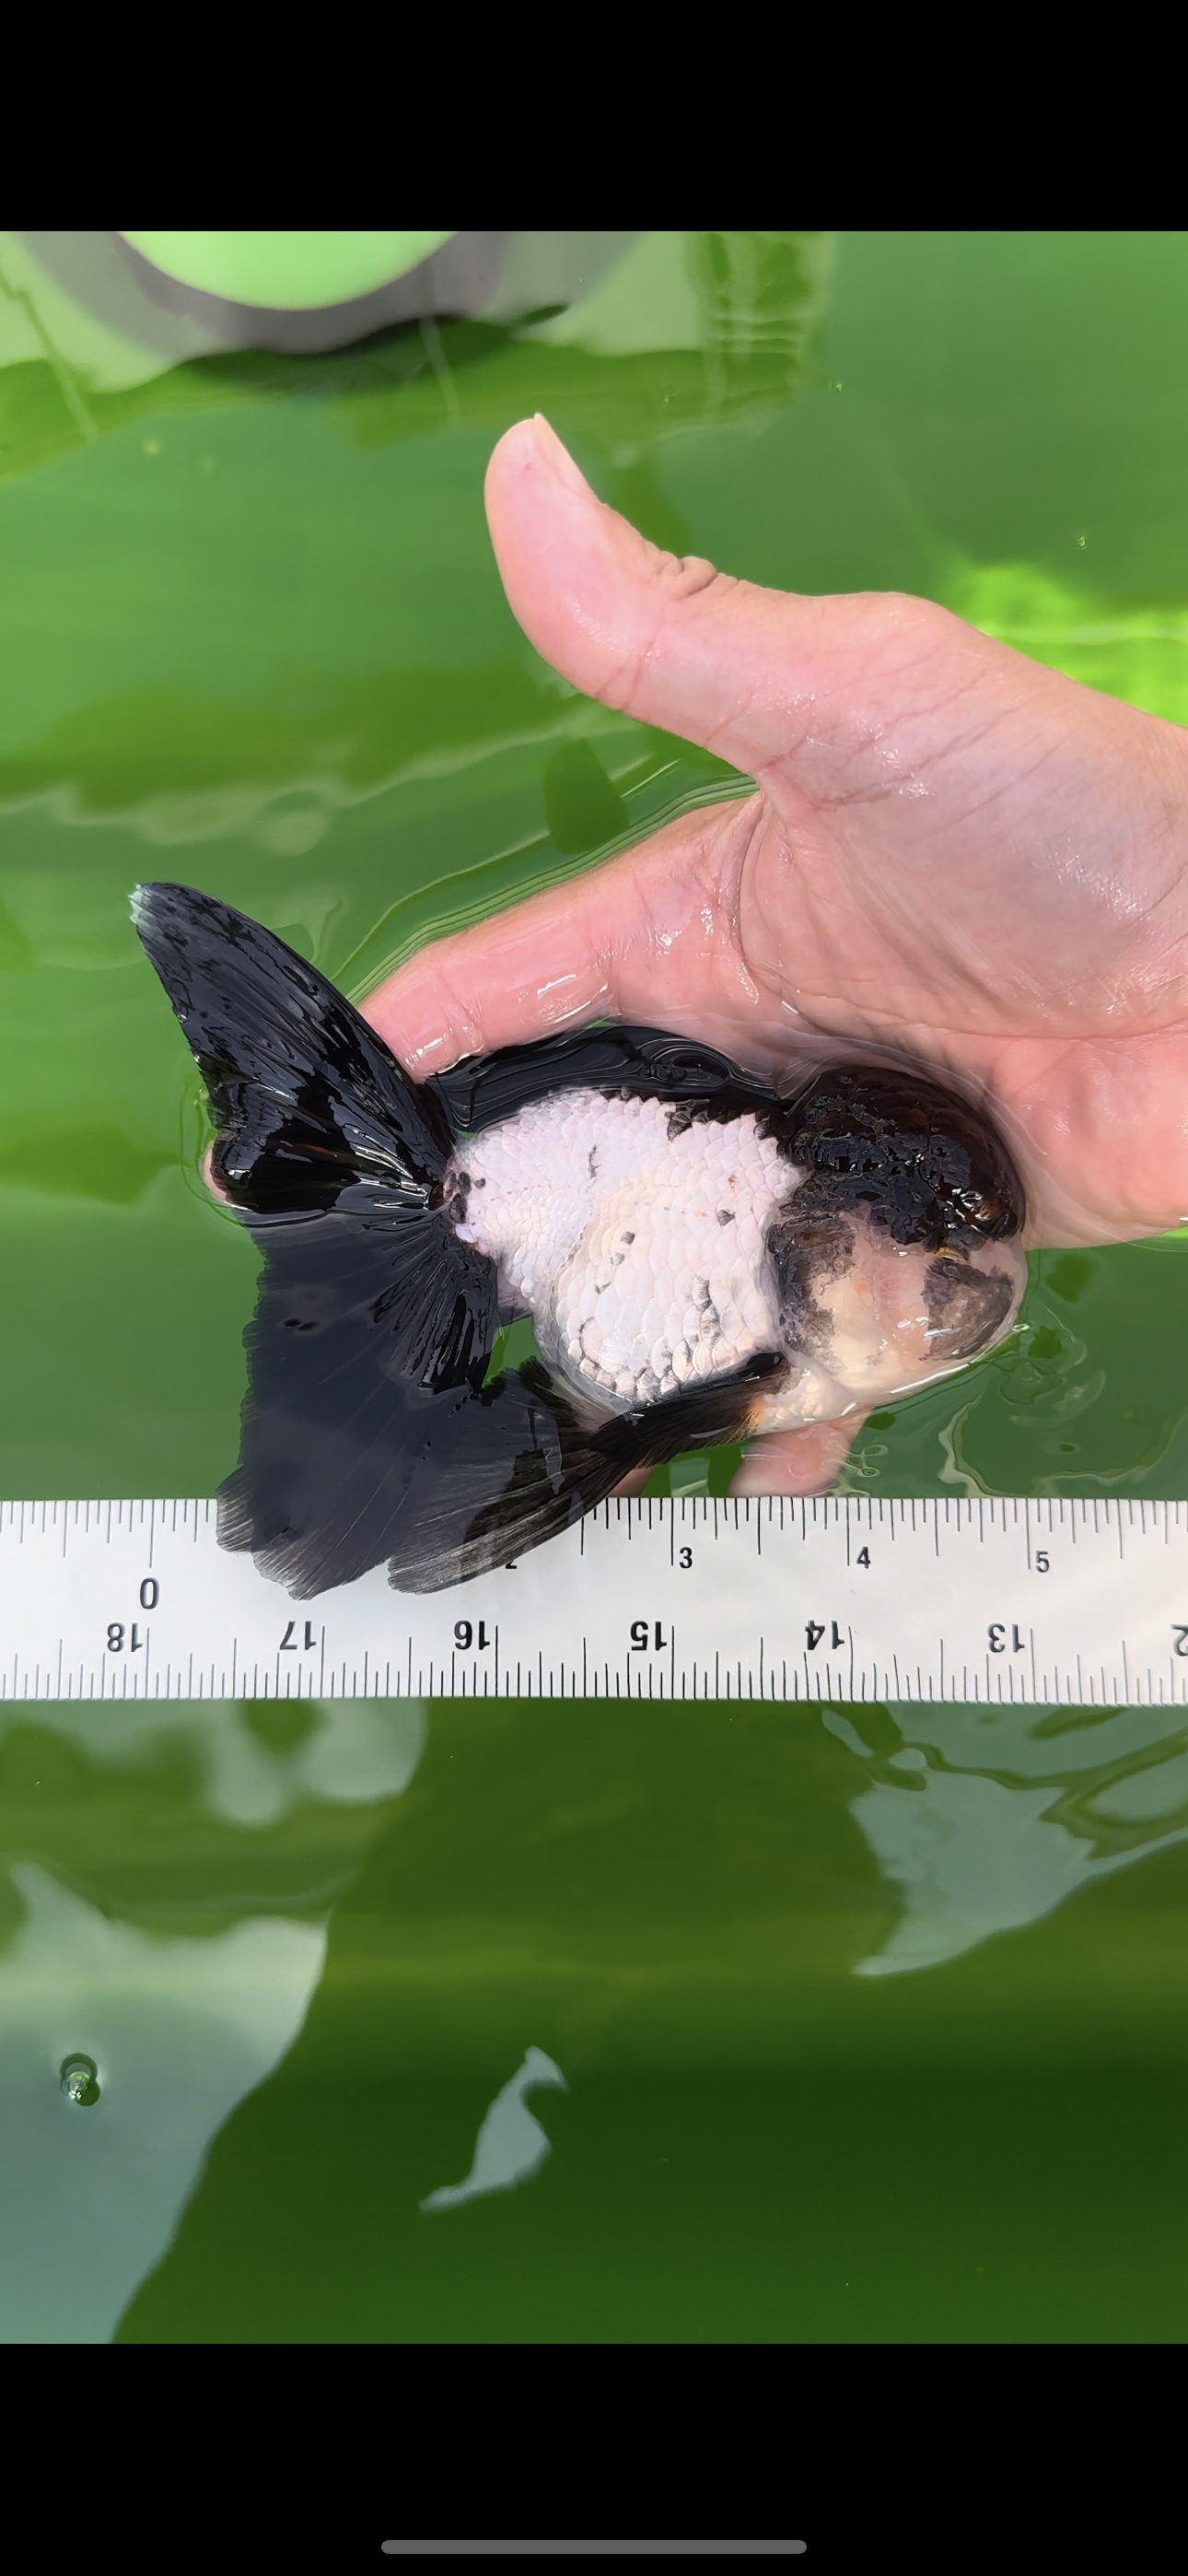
(752,1475)
(792,1464)
(749,1482)
(555,456)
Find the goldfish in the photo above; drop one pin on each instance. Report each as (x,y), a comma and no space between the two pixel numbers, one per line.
(703,1258)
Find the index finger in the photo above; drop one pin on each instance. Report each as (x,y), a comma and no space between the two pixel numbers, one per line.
(651,935)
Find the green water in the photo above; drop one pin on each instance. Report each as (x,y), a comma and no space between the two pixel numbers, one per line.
(877,2035)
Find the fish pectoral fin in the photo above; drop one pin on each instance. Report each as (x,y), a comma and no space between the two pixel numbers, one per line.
(517,1464)
(498,1476)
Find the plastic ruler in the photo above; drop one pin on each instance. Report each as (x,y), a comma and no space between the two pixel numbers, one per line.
(840,1599)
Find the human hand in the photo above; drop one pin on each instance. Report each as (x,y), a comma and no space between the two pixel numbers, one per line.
(952,851)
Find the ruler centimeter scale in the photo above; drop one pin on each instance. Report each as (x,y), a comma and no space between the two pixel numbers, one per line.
(844,1598)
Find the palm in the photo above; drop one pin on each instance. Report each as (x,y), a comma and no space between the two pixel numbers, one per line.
(952,851)
(975,902)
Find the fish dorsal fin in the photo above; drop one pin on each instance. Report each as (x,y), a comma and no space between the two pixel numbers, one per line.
(649,1063)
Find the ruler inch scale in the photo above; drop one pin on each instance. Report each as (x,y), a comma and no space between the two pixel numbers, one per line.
(996,1601)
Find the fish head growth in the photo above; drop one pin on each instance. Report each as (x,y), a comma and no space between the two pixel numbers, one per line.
(898,1256)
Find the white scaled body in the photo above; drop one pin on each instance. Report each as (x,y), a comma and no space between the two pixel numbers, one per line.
(635,1240)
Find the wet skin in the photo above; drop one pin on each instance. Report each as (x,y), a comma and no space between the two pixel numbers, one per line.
(951,851)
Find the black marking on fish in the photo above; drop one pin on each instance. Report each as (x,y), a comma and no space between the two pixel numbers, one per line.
(965,1307)
(370,1429)
(307,1099)
(926,1167)
(806,1254)
(369,1334)
(523,1465)
(637,1063)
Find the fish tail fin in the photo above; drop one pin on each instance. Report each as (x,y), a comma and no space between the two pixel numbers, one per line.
(305,1096)
(374,1324)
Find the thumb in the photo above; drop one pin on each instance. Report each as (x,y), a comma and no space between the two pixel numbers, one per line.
(662,637)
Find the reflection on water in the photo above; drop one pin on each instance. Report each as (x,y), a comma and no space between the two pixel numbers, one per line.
(179,2031)
(1137,651)
(346,650)
(1088,1394)
(986,1819)
(356,1751)
(250,1761)
(210,1841)
(511,2145)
